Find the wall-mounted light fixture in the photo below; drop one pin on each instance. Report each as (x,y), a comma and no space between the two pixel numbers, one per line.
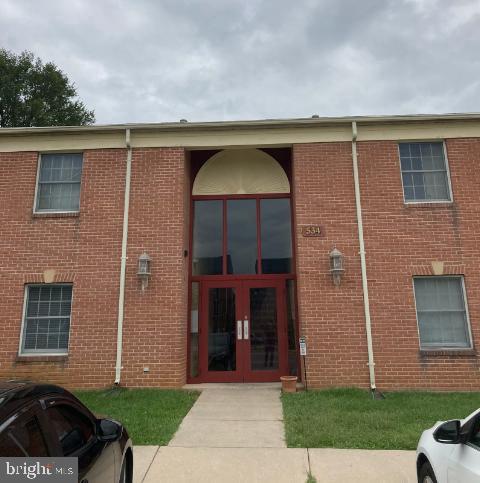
(144,269)
(336,265)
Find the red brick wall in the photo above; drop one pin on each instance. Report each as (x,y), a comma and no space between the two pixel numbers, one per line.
(401,241)
(86,250)
(330,317)
(155,329)
(83,249)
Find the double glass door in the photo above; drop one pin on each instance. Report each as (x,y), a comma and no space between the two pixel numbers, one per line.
(243,331)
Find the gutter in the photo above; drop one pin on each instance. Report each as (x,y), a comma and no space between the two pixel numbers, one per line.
(123,262)
(245,124)
(363,263)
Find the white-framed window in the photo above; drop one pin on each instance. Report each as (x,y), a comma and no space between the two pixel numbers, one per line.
(58,182)
(442,312)
(46,320)
(425,174)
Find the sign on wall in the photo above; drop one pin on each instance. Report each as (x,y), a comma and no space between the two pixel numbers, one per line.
(303,346)
(313,230)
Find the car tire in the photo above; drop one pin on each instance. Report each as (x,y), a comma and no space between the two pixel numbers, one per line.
(125,474)
(426,474)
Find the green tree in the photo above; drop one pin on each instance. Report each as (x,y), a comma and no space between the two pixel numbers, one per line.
(37,94)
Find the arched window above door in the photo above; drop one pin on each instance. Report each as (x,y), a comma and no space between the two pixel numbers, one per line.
(240,171)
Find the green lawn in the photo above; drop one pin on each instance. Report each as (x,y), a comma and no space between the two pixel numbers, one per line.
(151,416)
(350,418)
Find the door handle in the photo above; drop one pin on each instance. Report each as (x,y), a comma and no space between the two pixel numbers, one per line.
(245,329)
(239,329)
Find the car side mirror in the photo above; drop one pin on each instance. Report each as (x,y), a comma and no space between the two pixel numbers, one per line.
(109,430)
(448,432)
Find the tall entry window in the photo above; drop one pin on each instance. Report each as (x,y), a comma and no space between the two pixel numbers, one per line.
(242,253)
(243,325)
(276,236)
(242,236)
(208,238)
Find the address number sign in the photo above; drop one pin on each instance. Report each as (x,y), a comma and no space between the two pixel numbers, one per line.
(313,230)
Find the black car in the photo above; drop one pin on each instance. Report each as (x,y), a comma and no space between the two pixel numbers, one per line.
(45,420)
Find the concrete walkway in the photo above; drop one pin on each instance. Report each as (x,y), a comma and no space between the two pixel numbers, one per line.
(234,433)
(154,464)
(234,416)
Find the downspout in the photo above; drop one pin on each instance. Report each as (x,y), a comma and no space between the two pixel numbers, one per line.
(363,264)
(123,263)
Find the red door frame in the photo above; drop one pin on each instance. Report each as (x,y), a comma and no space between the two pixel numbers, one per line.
(232,279)
(218,376)
(243,371)
(251,375)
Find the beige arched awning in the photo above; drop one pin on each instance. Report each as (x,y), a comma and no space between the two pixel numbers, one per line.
(241,171)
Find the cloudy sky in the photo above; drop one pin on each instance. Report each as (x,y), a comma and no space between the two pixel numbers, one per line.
(162,60)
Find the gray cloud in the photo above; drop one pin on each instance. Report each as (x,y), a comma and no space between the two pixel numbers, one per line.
(149,61)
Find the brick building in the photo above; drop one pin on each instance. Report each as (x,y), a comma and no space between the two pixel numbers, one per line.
(155,255)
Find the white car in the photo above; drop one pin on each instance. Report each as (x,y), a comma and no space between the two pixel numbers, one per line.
(449,452)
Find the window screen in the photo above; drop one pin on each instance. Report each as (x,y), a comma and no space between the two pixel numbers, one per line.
(47,318)
(441,312)
(59,182)
(424,172)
